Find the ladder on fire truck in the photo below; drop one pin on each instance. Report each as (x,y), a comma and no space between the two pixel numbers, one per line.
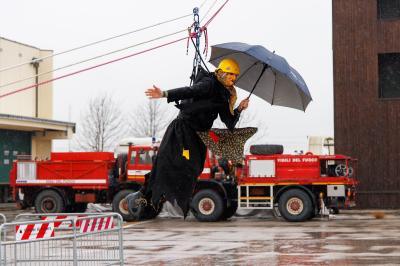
(248,199)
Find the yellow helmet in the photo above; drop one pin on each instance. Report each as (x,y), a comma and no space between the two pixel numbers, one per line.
(229,66)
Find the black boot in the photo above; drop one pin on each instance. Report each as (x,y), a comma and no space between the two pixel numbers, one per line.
(136,204)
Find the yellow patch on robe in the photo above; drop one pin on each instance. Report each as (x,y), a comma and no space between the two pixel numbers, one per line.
(185,153)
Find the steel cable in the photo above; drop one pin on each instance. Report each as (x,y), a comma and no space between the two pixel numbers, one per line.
(111,61)
(103,40)
(92,58)
(90,68)
(96,42)
(208,11)
(215,14)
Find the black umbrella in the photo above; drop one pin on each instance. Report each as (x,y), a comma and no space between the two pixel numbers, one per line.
(265,73)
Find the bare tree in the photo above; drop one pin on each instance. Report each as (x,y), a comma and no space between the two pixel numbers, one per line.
(101,125)
(150,119)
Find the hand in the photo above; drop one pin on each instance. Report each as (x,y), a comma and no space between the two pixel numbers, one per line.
(154,93)
(244,104)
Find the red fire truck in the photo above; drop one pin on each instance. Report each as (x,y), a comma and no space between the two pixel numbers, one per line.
(70,180)
(296,186)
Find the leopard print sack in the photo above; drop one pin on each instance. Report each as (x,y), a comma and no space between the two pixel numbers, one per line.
(227,144)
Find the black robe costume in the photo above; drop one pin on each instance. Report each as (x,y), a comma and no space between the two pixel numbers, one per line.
(181,155)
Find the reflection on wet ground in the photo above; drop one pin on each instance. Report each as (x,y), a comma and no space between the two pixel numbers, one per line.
(352,238)
(343,240)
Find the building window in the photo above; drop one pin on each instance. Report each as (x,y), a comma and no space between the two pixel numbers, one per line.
(389,9)
(389,75)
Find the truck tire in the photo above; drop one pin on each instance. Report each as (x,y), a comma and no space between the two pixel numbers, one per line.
(313,213)
(49,201)
(207,206)
(295,205)
(229,211)
(120,206)
(266,149)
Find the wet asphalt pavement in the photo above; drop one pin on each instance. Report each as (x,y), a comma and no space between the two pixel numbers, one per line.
(347,239)
(350,238)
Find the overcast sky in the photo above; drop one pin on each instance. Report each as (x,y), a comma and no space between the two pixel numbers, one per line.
(300,31)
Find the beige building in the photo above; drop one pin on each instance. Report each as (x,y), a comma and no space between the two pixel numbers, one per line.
(321,145)
(26,125)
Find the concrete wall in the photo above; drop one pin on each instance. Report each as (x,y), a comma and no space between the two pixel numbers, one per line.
(321,145)
(41,142)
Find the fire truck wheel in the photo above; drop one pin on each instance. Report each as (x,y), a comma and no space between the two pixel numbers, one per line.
(295,205)
(313,214)
(207,206)
(49,201)
(120,205)
(230,211)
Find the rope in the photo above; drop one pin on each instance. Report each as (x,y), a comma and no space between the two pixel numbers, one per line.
(205,50)
(96,42)
(93,43)
(89,68)
(202,4)
(198,52)
(92,58)
(202,29)
(208,11)
(215,14)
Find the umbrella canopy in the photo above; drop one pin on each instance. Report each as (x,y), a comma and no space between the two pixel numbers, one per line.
(265,73)
(226,143)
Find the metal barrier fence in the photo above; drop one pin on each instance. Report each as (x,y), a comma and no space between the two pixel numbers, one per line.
(3,218)
(62,239)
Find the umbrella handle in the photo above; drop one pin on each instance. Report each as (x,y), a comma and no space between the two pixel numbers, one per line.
(265,66)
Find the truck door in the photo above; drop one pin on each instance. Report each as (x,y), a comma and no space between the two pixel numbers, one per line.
(140,163)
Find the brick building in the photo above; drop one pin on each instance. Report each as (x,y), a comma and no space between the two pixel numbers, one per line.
(366,58)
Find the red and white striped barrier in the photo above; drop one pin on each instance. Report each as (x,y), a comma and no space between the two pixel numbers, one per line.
(63,224)
(46,230)
(96,224)
(34,231)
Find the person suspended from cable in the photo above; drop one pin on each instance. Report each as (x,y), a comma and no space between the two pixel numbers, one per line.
(181,155)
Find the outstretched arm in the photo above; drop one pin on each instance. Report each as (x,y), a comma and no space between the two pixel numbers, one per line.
(200,89)
(154,92)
